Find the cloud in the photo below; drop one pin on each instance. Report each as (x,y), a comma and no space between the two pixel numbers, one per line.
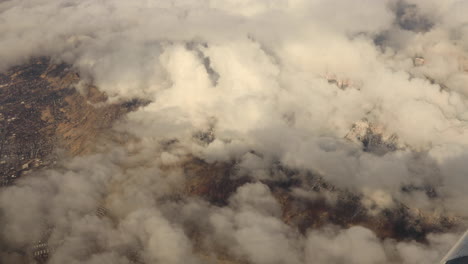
(254,84)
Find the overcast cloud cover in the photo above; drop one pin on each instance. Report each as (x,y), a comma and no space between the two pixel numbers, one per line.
(254,73)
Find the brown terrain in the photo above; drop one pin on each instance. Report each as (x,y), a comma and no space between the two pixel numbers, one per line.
(41,112)
(42,115)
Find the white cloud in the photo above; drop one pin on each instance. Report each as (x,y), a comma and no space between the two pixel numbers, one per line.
(261,77)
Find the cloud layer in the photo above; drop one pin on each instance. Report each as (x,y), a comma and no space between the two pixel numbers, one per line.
(261,83)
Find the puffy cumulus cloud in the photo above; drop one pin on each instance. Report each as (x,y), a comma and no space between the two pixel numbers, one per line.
(248,8)
(332,245)
(410,252)
(256,84)
(452,168)
(355,17)
(93,210)
(344,247)
(56,198)
(252,229)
